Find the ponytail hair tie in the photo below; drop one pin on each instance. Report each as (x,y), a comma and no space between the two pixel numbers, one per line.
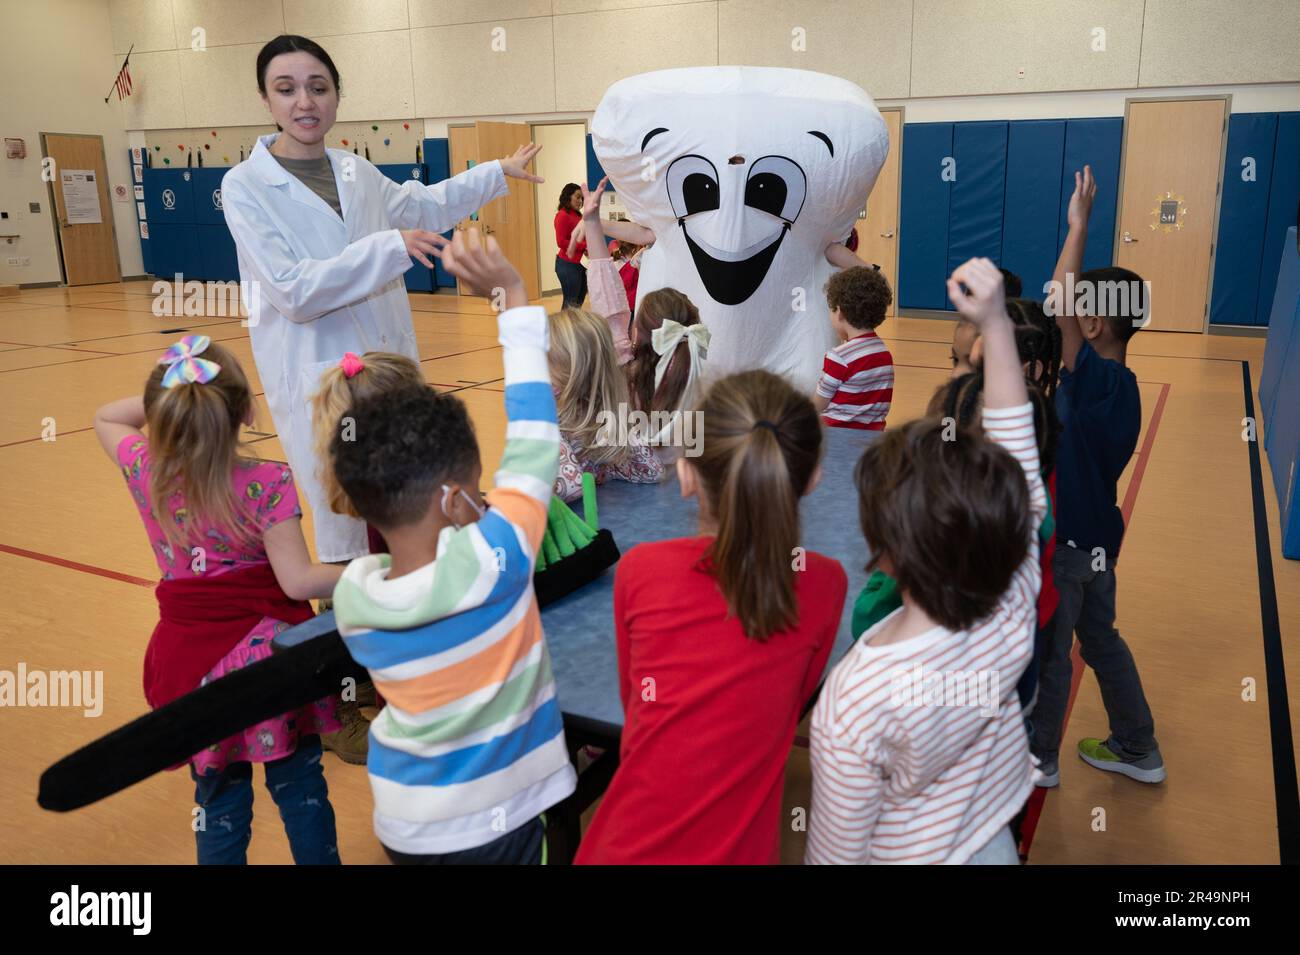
(183,364)
(764,423)
(351,365)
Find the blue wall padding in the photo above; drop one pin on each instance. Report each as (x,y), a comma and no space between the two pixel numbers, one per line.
(206,184)
(976,205)
(217,258)
(1243,218)
(1094,142)
(437,156)
(595,171)
(923,223)
(1035,151)
(437,159)
(156,184)
(1283,197)
(418,278)
(175,249)
(1279,393)
(1283,343)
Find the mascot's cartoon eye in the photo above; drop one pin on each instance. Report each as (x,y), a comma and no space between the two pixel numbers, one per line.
(692,186)
(777,186)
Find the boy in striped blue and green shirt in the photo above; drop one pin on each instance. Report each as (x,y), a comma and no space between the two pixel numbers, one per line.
(470,747)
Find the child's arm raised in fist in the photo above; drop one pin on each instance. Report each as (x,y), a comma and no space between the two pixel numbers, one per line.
(484,268)
(983,304)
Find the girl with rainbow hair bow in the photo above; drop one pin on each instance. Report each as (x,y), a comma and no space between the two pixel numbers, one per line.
(226,533)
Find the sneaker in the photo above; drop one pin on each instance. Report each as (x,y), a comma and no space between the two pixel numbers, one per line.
(1149,769)
(1049,774)
(352,741)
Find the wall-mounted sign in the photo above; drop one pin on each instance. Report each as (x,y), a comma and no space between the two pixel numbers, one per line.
(1168,213)
(80,196)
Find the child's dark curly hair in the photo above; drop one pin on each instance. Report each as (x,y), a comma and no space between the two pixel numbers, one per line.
(402,446)
(861,294)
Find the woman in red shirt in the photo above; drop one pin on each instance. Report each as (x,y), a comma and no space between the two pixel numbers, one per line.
(721,642)
(568,258)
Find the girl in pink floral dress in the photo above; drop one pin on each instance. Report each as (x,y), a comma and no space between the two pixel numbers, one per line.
(226,533)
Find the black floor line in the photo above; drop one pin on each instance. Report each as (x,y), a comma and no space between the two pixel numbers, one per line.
(1287,796)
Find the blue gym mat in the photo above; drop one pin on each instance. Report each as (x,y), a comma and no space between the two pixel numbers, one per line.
(580,627)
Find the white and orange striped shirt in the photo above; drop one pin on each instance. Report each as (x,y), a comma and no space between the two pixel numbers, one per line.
(919,751)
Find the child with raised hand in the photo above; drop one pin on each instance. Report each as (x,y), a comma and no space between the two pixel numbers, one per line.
(903,772)
(664,351)
(857,382)
(469,750)
(1101,417)
(722,639)
(587,351)
(226,532)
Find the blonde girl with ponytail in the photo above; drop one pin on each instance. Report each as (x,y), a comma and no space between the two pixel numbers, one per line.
(722,640)
(591,398)
(354,379)
(226,532)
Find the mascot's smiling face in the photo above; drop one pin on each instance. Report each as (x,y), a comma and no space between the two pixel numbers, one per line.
(748,171)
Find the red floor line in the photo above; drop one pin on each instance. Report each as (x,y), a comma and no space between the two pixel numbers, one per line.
(74,565)
(1036,798)
(57,434)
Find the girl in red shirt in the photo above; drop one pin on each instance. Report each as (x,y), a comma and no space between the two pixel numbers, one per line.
(721,642)
(568,257)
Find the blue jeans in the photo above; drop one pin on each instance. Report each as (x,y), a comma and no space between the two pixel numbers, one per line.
(297,784)
(523,846)
(1087,609)
(573,281)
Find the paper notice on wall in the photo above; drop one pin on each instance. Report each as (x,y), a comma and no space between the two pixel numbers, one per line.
(81,196)
(139,194)
(139,211)
(138,171)
(137,154)
(144,229)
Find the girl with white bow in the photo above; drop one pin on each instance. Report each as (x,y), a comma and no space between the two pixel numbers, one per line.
(663,349)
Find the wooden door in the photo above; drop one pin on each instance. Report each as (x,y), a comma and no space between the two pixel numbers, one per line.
(1172,162)
(878,229)
(463,148)
(512,219)
(88,247)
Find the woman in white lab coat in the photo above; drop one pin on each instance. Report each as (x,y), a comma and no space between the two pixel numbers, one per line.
(323,249)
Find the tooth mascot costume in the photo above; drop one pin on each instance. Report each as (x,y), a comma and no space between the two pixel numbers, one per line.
(745,175)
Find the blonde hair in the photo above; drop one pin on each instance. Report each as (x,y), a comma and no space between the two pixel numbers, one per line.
(384,372)
(194,446)
(761,446)
(588,381)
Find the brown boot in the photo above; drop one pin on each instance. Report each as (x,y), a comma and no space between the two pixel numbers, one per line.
(351,742)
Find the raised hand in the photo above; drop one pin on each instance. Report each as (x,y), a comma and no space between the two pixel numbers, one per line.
(983,300)
(420,244)
(591,198)
(1085,191)
(514,166)
(484,268)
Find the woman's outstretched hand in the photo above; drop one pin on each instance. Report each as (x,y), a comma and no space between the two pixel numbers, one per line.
(514,166)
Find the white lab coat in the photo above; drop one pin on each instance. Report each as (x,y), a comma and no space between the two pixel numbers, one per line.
(326,286)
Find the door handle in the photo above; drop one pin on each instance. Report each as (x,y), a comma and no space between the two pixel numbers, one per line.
(886,235)
(1128,237)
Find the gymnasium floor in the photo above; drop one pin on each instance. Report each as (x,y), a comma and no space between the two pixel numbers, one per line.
(78,578)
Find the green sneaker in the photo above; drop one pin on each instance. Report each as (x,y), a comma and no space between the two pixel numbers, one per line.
(1149,769)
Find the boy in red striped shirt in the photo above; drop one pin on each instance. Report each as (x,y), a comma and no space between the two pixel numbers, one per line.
(919,752)
(857,382)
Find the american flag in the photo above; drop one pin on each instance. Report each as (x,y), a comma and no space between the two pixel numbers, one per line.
(123,83)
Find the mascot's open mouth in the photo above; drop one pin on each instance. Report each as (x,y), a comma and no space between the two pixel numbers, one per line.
(732,277)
